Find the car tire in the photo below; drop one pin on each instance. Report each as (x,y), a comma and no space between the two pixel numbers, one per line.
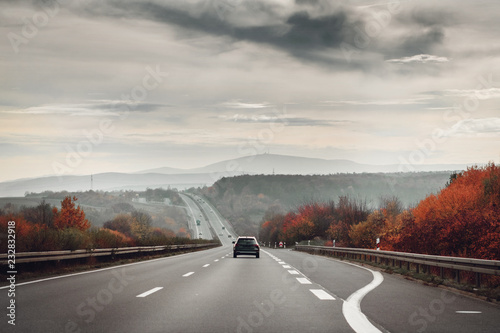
(234,255)
(257,256)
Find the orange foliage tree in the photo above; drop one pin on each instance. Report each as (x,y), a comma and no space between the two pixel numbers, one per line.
(70,216)
(314,220)
(462,220)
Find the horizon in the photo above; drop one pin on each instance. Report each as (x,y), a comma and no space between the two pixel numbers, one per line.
(440,168)
(94,87)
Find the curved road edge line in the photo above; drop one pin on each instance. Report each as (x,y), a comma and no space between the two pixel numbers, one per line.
(351,309)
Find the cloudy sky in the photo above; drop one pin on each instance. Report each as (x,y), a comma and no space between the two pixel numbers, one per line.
(94,86)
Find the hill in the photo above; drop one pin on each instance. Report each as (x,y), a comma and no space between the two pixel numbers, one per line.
(264,164)
(103,182)
(293,165)
(245,199)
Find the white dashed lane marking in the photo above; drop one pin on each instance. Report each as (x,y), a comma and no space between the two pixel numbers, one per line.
(149,292)
(321,294)
(188,274)
(304,281)
(206,265)
(293,272)
(287,266)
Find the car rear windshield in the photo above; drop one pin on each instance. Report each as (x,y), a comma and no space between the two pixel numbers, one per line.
(246,241)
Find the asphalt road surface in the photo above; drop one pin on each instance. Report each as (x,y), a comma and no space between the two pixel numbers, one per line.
(212,223)
(209,291)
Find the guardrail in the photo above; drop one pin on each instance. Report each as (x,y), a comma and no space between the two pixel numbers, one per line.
(29,257)
(420,261)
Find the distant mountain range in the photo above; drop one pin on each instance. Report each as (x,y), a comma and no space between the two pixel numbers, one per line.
(291,165)
(186,178)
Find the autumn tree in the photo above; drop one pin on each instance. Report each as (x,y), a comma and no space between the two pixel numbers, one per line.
(141,224)
(461,220)
(41,214)
(182,233)
(364,234)
(70,216)
(348,212)
(120,223)
(272,229)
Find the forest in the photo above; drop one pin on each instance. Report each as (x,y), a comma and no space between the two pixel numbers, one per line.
(244,200)
(462,219)
(59,222)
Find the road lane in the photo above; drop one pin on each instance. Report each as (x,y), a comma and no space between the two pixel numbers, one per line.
(239,295)
(223,229)
(242,294)
(397,305)
(209,291)
(198,231)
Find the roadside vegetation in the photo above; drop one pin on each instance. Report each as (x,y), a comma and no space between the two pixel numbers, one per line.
(462,220)
(245,200)
(65,226)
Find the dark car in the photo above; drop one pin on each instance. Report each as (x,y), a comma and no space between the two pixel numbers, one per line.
(246,245)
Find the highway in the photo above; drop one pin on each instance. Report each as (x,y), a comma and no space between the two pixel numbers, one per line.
(199,209)
(210,291)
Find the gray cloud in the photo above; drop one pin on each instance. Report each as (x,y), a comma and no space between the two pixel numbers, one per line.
(287,121)
(299,32)
(91,108)
(312,31)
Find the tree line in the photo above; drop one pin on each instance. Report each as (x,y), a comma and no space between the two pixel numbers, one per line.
(244,199)
(463,219)
(47,228)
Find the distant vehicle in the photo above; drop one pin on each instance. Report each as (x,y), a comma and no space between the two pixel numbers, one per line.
(246,245)
(198,222)
(229,236)
(223,228)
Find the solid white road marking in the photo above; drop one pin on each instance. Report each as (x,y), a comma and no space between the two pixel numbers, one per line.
(287,266)
(351,309)
(293,272)
(149,292)
(321,294)
(206,265)
(304,281)
(468,312)
(188,274)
